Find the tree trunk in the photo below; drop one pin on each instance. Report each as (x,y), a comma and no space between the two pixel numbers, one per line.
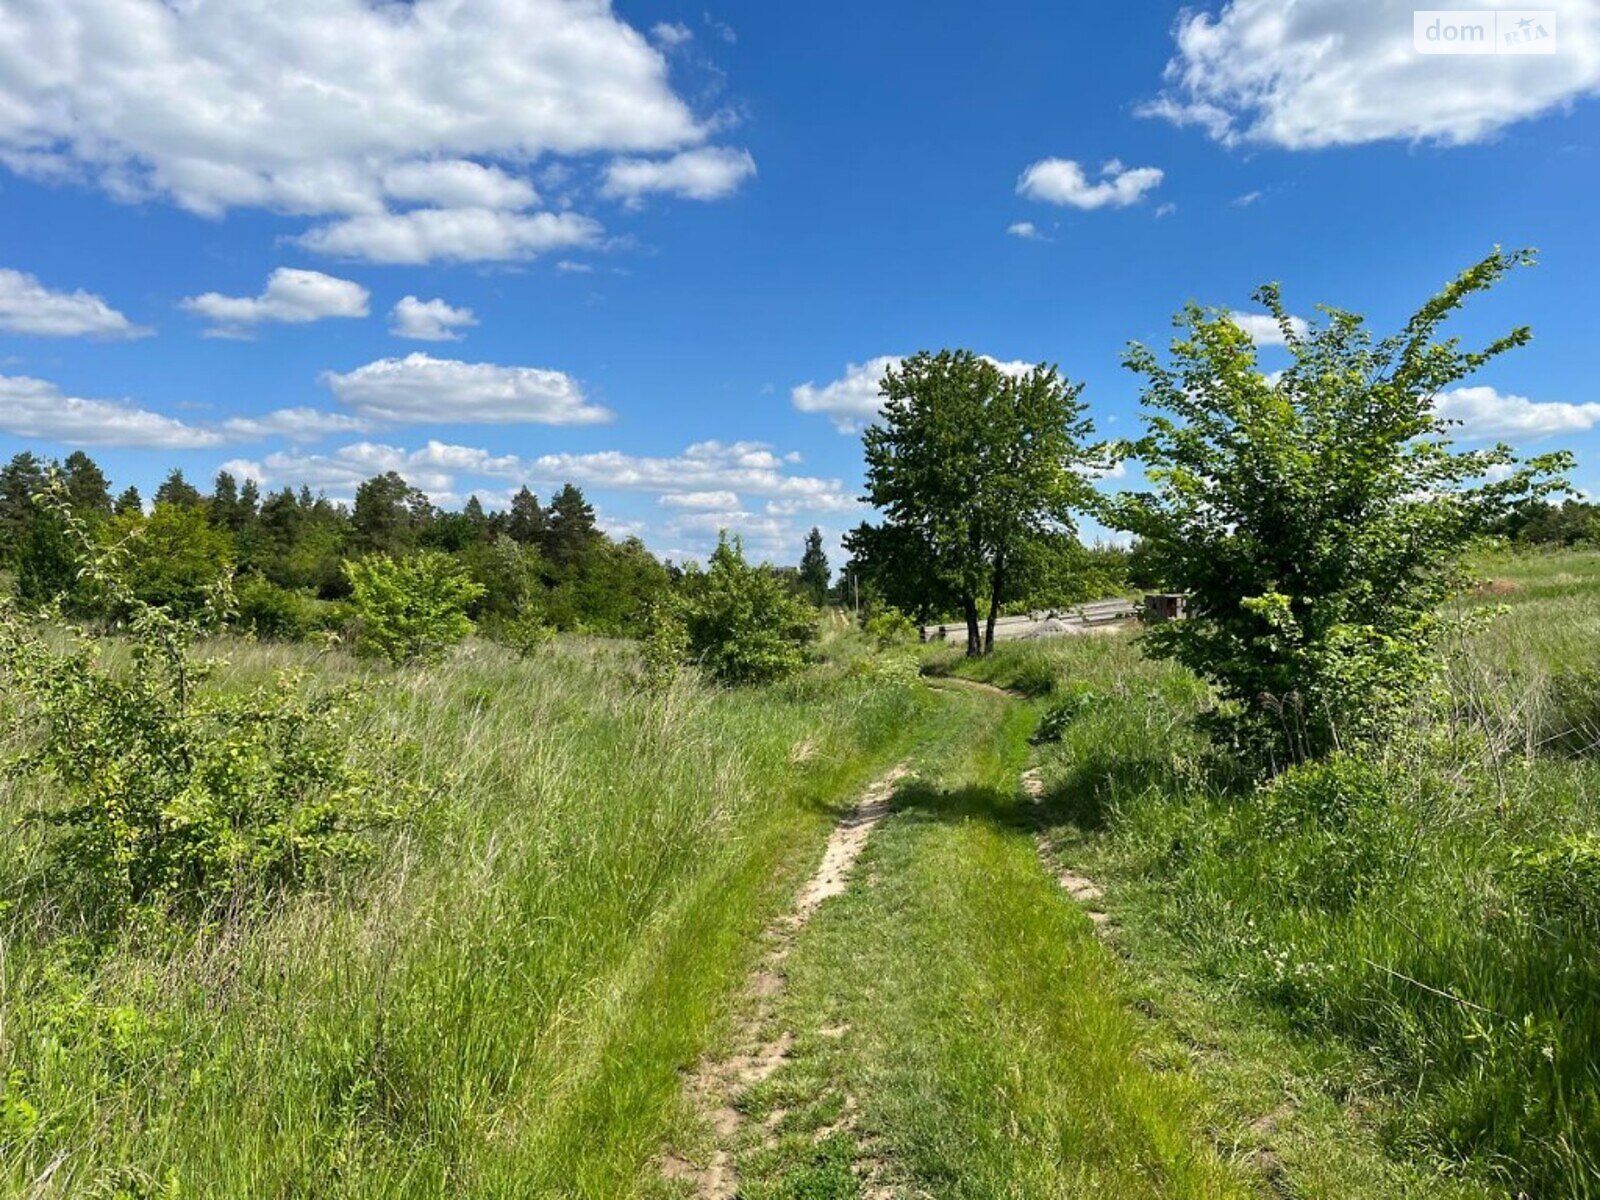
(969,607)
(994,605)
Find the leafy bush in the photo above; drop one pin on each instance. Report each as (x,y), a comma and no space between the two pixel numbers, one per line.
(263,608)
(527,633)
(743,623)
(175,559)
(1317,519)
(890,628)
(665,645)
(176,797)
(410,609)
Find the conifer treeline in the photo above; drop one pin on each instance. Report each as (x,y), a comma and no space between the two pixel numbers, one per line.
(548,558)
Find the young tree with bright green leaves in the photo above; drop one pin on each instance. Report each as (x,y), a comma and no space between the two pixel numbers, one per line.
(742,624)
(411,609)
(969,464)
(1317,520)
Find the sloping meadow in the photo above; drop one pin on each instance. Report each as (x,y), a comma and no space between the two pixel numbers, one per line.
(497,1003)
(1433,911)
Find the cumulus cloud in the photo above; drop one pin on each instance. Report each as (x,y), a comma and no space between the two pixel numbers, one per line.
(292,297)
(1063,181)
(458,183)
(1330,73)
(323,106)
(1263,327)
(712,466)
(36,408)
(722,500)
(852,401)
(301,424)
(706,173)
(426,235)
(429,320)
(1483,412)
(420,388)
(27,306)
(1026,230)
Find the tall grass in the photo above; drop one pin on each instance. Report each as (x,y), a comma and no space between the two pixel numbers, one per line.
(1436,909)
(500,1006)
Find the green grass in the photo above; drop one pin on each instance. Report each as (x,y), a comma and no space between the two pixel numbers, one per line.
(502,1007)
(960,1030)
(1443,996)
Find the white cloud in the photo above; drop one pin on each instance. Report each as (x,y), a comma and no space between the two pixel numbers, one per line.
(451,235)
(36,408)
(723,500)
(671,33)
(1484,412)
(294,424)
(429,320)
(27,306)
(1330,73)
(737,467)
(852,401)
(576,268)
(1263,327)
(706,173)
(308,106)
(1062,181)
(458,183)
(1026,230)
(420,388)
(292,296)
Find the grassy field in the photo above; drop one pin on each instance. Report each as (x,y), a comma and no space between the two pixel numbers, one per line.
(1367,980)
(502,1006)
(1416,938)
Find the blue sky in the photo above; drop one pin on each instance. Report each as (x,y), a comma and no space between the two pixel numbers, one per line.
(645,244)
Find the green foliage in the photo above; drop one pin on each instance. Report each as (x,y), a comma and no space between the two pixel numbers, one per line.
(527,633)
(664,645)
(174,559)
(969,465)
(410,609)
(1061,714)
(266,610)
(814,572)
(174,797)
(1316,520)
(743,624)
(889,627)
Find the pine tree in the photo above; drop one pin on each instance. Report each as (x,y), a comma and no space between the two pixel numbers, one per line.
(814,572)
(129,502)
(88,490)
(20,481)
(527,522)
(178,492)
(571,531)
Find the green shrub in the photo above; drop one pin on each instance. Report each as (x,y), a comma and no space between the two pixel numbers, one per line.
(664,646)
(1317,518)
(263,608)
(175,797)
(410,609)
(890,628)
(526,633)
(743,623)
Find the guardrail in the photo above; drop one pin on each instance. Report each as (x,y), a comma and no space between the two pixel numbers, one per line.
(1045,622)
